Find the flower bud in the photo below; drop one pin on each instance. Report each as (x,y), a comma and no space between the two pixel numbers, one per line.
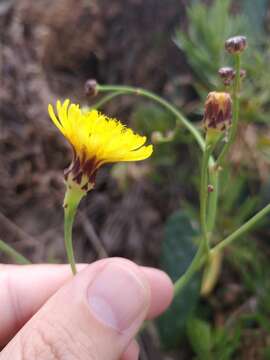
(236,44)
(218,111)
(90,87)
(227,74)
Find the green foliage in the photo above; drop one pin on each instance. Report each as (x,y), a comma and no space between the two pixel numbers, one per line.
(255,11)
(149,118)
(178,251)
(199,334)
(225,343)
(203,46)
(211,344)
(203,42)
(237,205)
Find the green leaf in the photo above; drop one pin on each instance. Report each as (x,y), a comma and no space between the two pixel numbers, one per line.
(199,334)
(178,250)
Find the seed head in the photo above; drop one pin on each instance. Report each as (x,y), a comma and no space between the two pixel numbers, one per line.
(236,44)
(90,87)
(218,111)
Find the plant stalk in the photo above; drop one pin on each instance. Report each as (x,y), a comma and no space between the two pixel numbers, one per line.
(213,174)
(203,198)
(141,92)
(71,203)
(235,116)
(242,230)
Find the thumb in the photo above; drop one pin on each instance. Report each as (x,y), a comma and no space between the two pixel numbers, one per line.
(94,316)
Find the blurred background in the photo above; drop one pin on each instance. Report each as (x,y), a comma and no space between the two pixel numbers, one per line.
(147,212)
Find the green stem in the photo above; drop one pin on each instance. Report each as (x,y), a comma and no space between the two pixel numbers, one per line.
(106,99)
(213,199)
(200,257)
(213,175)
(141,92)
(203,198)
(196,263)
(71,203)
(242,230)
(8,250)
(235,116)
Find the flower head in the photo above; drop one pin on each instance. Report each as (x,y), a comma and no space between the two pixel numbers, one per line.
(236,44)
(96,140)
(218,111)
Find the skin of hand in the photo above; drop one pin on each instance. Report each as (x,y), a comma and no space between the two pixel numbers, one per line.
(46,313)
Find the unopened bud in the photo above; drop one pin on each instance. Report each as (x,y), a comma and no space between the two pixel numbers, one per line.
(236,44)
(210,188)
(90,87)
(227,74)
(218,111)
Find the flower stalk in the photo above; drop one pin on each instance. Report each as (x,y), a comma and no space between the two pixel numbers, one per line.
(180,119)
(96,140)
(204,197)
(72,200)
(235,114)
(251,223)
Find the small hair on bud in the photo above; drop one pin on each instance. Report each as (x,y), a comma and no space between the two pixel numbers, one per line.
(90,87)
(236,44)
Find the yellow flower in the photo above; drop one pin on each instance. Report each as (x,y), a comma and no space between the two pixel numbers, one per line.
(96,140)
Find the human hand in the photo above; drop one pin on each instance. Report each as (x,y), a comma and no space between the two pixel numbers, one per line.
(45,313)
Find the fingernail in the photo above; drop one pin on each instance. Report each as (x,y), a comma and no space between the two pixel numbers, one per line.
(117,297)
